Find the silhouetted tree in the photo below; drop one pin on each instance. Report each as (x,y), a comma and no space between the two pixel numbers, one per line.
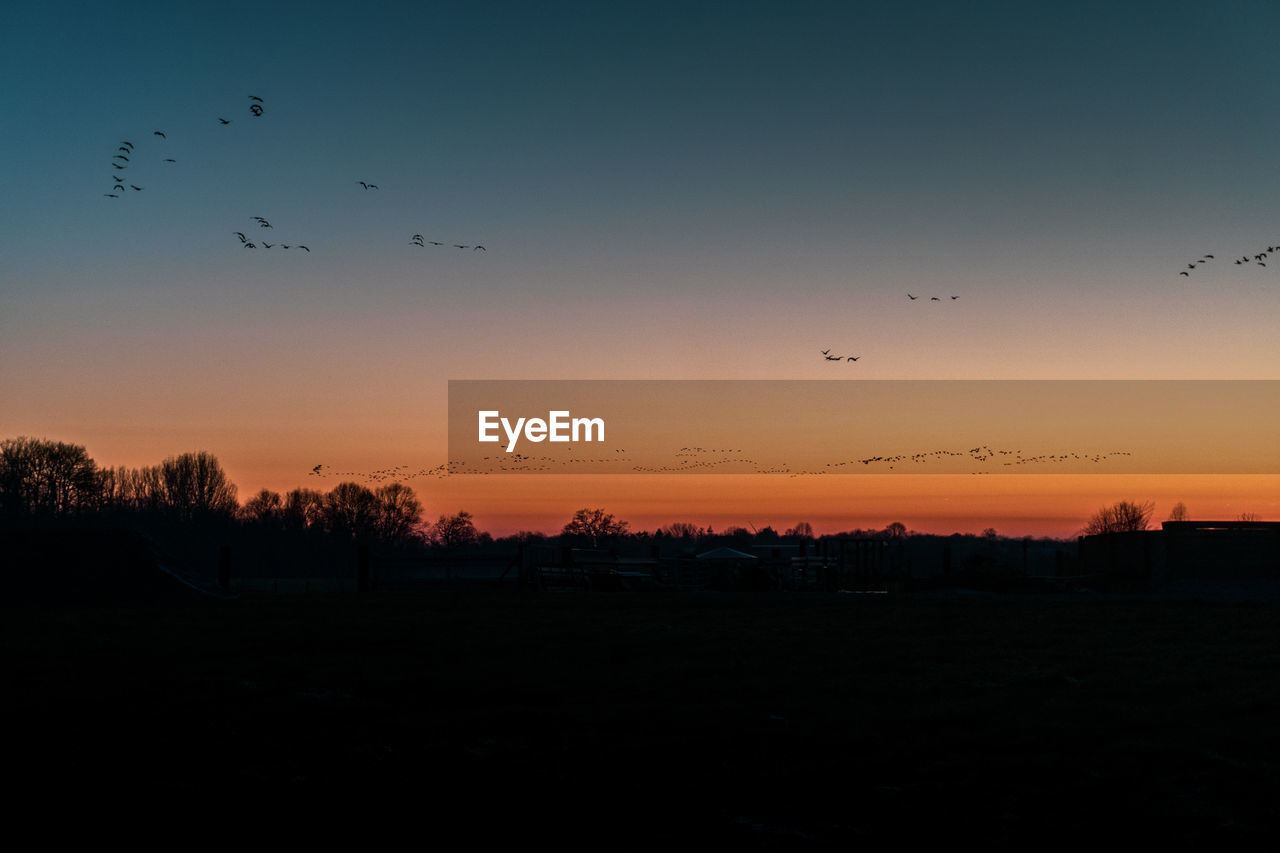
(1179,512)
(803,529)
(266,507)
(1249,516)
(46,478)
(350,510)
(594,524)
(681,530)
(193,485)
(398,512)
(1120,517)
(453,530)
(303,509)
(896,530)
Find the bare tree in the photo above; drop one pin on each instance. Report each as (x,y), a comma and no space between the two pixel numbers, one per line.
(803,529)
(303,509)
(1120,517)
(594,524)
(681,530)
(453,530)
(1179,512)
(1249,516)
(895,530)
(193,485)
(266,507)
(40,477)
(351,510)
(398,512)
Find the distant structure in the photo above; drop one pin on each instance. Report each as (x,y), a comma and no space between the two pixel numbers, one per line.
(1183,550)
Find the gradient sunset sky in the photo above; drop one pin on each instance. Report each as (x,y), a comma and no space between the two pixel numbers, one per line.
(664,191)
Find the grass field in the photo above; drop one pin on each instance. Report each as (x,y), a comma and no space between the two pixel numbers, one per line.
(757,721)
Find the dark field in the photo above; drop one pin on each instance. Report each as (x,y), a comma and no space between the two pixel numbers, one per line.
(756,721)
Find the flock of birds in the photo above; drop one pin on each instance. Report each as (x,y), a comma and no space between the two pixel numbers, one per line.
(826,353)
(122,160)
(262,223)
(1258,259)
(127,154)
(692,460)
(421,242)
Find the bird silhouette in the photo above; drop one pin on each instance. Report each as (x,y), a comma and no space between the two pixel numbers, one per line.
(854,357)
(479,249)
(367,186)
(170,160)
(132,186)
(225,121)
(934,299)
(160,133)
(912,298)
(255,98)
(304,248)
(240,234)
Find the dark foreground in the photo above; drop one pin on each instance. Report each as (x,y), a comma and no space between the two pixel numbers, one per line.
(753,721)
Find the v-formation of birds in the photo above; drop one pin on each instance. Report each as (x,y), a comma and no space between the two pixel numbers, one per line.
(127,153)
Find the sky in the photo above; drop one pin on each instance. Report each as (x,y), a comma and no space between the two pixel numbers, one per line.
(663,191)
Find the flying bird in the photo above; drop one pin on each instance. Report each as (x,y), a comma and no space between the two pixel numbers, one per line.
(255,98)
(854,357)
(111,195)
(935,299)
(479,249)
(240,234)
(912,298)
(160,133)
(170,160)
(139,189)
(304,247)
(367,186)
(225,121)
